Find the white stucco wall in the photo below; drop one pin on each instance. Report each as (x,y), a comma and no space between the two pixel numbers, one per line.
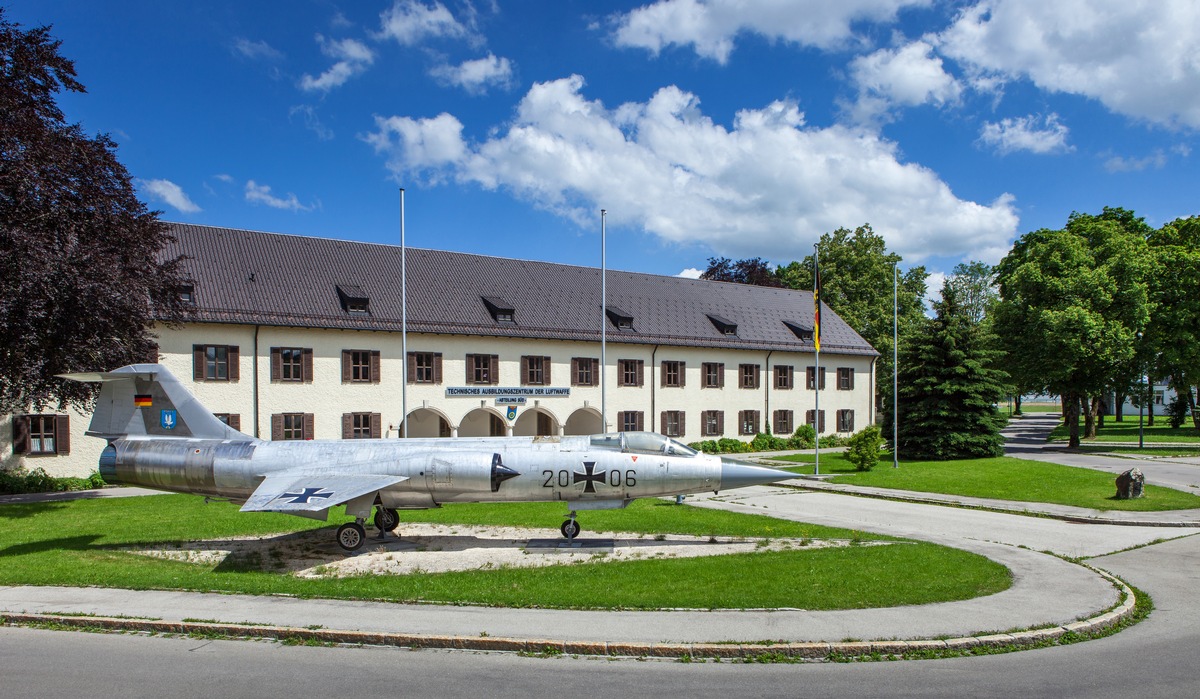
(328,398)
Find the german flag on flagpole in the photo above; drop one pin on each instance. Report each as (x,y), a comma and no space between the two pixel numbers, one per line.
(142,401)
(816,302)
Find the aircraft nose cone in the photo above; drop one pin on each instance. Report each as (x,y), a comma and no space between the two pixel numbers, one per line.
(735,475)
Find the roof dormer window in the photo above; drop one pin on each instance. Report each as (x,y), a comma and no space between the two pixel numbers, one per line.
(801,332)
(620,319)
(353,299)
(501,310)
(725,327)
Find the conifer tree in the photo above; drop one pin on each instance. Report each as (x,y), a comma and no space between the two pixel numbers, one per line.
(949,386)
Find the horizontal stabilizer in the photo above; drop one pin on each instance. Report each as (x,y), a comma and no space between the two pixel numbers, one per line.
(310,492)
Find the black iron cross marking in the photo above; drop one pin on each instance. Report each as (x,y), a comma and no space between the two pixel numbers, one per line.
(303,497)
(590,479)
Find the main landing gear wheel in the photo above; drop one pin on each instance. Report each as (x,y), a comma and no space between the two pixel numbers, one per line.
(570,528)
(386,519)
(350,536)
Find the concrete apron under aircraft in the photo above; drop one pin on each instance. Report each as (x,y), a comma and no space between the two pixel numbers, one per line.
(159,436)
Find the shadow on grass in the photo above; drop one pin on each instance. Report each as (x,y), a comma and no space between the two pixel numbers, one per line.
(70,543)
(27,510)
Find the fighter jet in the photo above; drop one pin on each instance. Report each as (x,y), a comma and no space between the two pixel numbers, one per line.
(160,437)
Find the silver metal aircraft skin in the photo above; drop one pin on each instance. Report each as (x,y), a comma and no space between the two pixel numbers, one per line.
(159,436)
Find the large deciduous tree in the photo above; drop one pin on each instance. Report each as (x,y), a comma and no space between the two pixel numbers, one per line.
(856,282)
(753,270)
(1173,336)
(1073,303)
(949,386)
(81,279)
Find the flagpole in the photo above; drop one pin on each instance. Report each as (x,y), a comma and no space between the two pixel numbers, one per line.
(895,366)
(817,346)
(603,324)
(403,324)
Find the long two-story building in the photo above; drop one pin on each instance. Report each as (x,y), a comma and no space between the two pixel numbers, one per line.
(294,337)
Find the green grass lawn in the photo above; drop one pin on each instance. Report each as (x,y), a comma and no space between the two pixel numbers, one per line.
(1127,431)
(79,543)
(1003,478)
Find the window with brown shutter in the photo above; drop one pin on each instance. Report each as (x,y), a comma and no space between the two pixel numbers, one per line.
(748,376)
(845,420)
(810,375)
(631,372)
(361,366)
(673,423)
(783,424)
(674,374)
(585,371)
(292,364)
(361,425)
(783,377)
(810,417)
(747,422)
(845,378)
(234,420)
(215,363)
(425,367)
(292,426)
(714,375)
(483,369)
(535,371)
(631,420)
(41,434)
(712,423)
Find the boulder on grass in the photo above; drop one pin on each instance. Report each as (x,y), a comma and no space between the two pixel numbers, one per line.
(1130,484)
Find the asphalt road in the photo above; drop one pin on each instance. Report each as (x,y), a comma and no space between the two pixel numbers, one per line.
(1157,658)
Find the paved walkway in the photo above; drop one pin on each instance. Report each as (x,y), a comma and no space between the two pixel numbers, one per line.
(1048,592)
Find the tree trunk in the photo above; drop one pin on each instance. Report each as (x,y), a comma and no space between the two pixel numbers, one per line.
(1071,415)
(1089,417)
(1101,408)
(1149,402)
(1121,407)
(1017,402)
(1191,399)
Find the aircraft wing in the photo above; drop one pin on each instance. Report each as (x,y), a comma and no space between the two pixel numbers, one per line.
(311,492)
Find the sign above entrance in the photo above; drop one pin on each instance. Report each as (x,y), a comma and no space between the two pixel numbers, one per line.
(507,391)
(511,400)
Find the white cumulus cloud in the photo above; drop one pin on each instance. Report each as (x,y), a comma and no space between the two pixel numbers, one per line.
(690,273)
(1136,57)
(1033,133)
(261,194)
(908,76)
(711,26)
(352,57)
(409,22)
(768,186)
(1116,163)
(169,193)
(478,75)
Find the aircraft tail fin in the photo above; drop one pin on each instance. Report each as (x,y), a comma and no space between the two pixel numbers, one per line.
(147,400)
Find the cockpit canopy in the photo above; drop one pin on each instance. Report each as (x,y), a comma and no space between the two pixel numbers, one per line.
(642,443)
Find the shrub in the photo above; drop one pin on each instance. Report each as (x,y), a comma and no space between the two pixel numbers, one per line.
(803,438)
(18,481)
(708,446)
(863,448)
(727,445)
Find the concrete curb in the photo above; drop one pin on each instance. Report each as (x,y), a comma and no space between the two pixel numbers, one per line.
(909,496)
(551,647)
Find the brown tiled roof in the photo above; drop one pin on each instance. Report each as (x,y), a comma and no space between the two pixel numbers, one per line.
(249,277)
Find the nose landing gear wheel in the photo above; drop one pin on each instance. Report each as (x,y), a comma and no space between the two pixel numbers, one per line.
(350,536)
(570,529)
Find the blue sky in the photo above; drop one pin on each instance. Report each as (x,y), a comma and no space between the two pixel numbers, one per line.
(705,127)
